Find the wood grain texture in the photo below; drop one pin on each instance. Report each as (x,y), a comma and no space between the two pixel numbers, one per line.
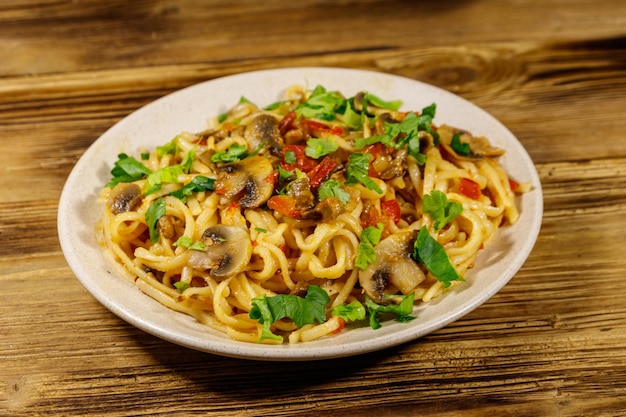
(550,343)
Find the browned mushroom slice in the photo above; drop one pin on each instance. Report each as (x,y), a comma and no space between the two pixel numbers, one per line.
(479,147)
(249,182)
(227,251)
(393,268)
(124,197)
(264,128)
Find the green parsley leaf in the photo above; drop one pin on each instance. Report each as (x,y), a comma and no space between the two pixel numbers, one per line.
(307,310)
(260,230)
(402,310)
(153,214)
(127,169)
(169,148)
(235,152)
(459,147)
(283,174)
(181,286)
(351,117)
(405,133)
(354,311)
(369,238)
(198,184)
(316,148)
(379,102)
(164,175)
(441,210)
(145,156)
(356,171)
(332,188)
(290,157)
(321,104)
(186,242)
(430,252)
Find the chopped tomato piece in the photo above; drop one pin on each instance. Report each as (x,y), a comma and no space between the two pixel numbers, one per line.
(342,325)
(319,129)
(469,188)
(321,172)
(391,209)
(286,123)
(294,157)
(514,184)
(285,205)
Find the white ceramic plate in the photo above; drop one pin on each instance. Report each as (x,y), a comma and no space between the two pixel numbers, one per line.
(188,110)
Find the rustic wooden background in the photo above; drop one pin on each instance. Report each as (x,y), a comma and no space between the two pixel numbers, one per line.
(551,343)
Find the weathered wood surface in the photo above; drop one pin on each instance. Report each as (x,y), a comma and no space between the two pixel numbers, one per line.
(551,343)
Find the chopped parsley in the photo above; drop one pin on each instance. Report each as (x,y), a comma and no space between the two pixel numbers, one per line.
(441,210)
(186,242)
(402,310)
(235,152)
(357,169)
(459,147)
(127,169)
(430,252)
(153,214)
(405,133)
(198,184)
(321,104)
(307,310)
(316,148)
(332,188)
(354,311)
(181,286)
(369,238)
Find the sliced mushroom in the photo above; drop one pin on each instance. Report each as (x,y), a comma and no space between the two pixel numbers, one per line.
(124,197)
(250,182)
(393,269)
(479,147)
(329,208)
(264,128)
(227,251)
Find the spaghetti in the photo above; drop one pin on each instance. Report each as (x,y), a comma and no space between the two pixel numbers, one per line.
(287,222)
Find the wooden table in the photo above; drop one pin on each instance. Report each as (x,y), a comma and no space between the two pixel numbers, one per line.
(551,343)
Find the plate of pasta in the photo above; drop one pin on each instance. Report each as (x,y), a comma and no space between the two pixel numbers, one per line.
(300,213)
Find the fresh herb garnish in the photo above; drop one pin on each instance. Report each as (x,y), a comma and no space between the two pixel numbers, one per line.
(198,184)
(153,214)
(402,310)
(235,152)
(357,169)
(459,147)
(290,157)
(169,148)
(430,252)
(181,286)
(379,102)
(307,310)
(354,311)
(441,210)
(332,188)
(369,238)
(321,104)
(127,169)
(186,242)
(316,148)
(405,133)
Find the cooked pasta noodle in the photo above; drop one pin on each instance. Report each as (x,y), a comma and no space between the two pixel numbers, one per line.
(274,200)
